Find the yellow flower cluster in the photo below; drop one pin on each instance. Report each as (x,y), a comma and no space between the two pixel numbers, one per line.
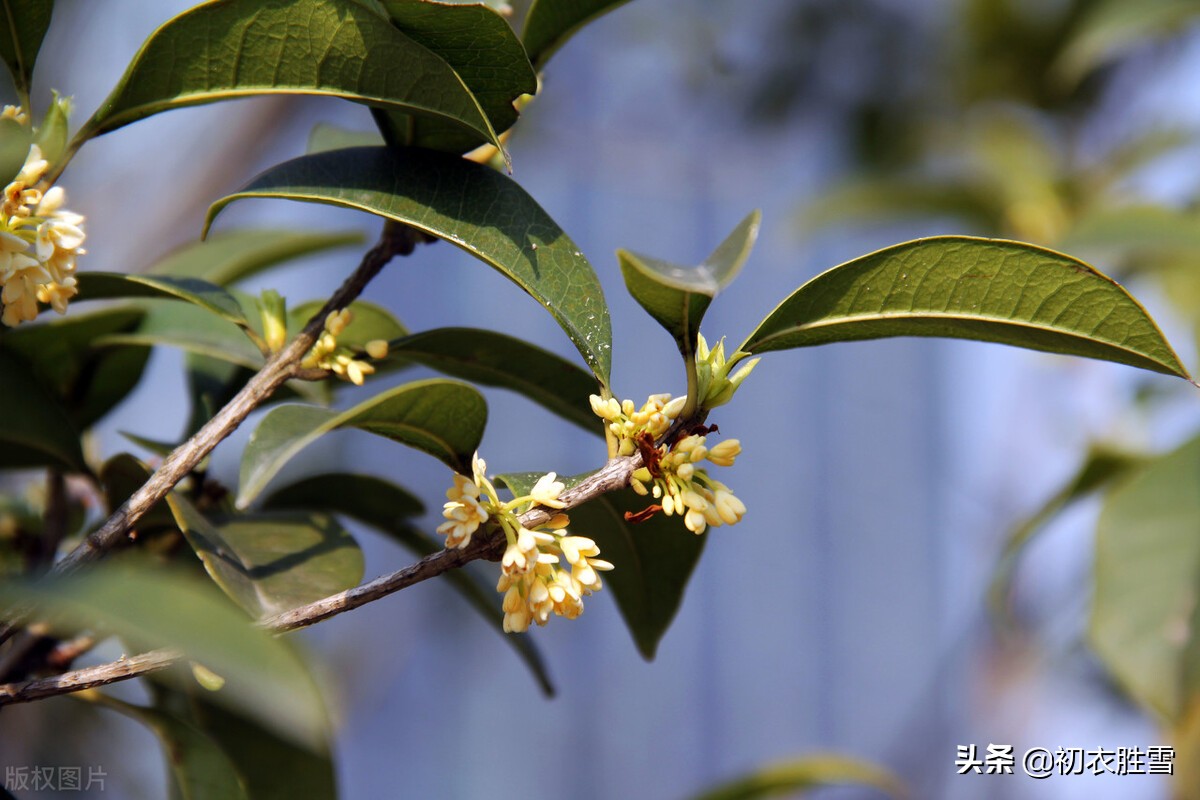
(543,571)
(672,472)
(39,241)
(328,355)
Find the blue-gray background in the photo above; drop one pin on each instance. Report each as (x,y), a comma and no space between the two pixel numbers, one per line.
(844,614)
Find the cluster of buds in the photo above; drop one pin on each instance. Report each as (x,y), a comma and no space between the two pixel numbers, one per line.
(673,473)
(714,385)
(328,355)
(543,571)
(39,241)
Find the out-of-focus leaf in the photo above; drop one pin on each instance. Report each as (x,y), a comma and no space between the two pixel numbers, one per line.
(966,288)
(388,508)
(677,296)
(231,256)
(155,607)
(272,563)
(201,293)
(1118,231)
(468,205)
(369,322)
(443,418)
(324,137)
(23,25)
(481,47)
(53,133)
(1112,27)
(796,778)
(1099,469)
(653,560)
(15,139)
(1146,573)
(550,23)
(39,431)
(199,768)
(236,48)
(494,359)
(121,476)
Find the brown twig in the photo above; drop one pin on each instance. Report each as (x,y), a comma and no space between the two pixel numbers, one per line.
(89,678)
(396,239)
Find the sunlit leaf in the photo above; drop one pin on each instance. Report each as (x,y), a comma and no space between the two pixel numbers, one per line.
(223,50)
(468,205)
(796,778)
(1146,574)
(493,359)
(230,256)
(966,288)
(481,47)
(23,25)
(272,563)
(550,23)
(38,430)
(443,418)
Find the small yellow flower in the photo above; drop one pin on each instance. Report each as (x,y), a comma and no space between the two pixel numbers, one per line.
(377,348)
(546,491)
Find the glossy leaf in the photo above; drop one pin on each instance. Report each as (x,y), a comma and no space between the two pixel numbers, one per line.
(23,25)
(192,328)
(653,560)
(966,288)
(1100,468)
(231,256)
(442,418)
(43,434)
(550,23)
(199,768)
(481,47)
(155,607)
(369,322)
(796,778)
(388,508)
(493,359)
(235,48)
(1146,572)
(468,205)
(270,564)
(677,296)
(209,296)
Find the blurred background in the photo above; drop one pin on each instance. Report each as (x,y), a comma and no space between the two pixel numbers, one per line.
(848,612)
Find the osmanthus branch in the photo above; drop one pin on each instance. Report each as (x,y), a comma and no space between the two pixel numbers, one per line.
(396,239)
(612,476)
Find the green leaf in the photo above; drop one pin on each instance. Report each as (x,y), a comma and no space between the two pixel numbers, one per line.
(1112,27)
(481,47)
(272,563)
(53,133)
(388,508)
(652,560)
(23,25)
(224,50)
(324,137)
(493,359)
(270,766)
(45,434)
(199,768)
(155,607)
(677,296)
(468,205)
(231,256)
(966,288)
(550,23)
(1146,574)
(15,139)
(796,778)
(192,328)
(1100,468)
(442,418)
(209,296)
(369,322)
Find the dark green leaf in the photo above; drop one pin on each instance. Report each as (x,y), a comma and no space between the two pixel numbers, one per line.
(443,418)
(966,288)
(481,47)
(154,607)
(44,433)
(494,359)
(1146,574)
(23,25)
(209,296)
(388,508)
(468,205)
(199,768)
(796,778)
(231,256)
(235,48)
(551,22)
(192,328)
(272,563)
(677,296)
